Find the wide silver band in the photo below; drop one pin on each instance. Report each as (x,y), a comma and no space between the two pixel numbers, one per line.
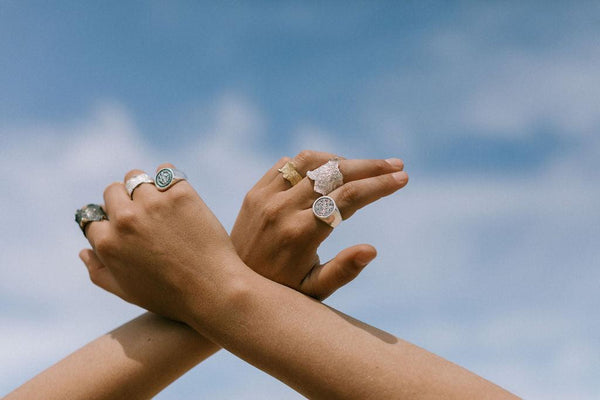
(89,213)
(135,181)
(167,177)
(327,177)
(325,209)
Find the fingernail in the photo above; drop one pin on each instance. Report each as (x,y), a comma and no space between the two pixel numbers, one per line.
(400,176)
(396,162)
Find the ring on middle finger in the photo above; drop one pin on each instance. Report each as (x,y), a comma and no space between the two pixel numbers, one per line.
(325,209)
(327,177)
(135,181)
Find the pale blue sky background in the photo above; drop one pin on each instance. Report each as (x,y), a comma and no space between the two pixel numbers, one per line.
(489,257)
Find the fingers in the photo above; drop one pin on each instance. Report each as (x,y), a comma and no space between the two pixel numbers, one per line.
(343,268)
(115,198)
(303,162)
(99,274)
(360,169)
(353,196)
(310,159)
(351,170)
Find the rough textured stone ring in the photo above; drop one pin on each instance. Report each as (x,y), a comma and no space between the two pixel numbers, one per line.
(135,181)
(327,177)
(89,213)
(326,210)
(289,173)
(167,177)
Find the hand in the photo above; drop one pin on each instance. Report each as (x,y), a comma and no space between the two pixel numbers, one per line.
(277,235)
(159,248)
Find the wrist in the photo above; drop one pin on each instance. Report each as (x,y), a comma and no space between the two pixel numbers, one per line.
(211,301)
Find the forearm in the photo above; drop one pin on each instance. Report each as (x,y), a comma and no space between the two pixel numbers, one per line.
(325,354)
(135,361)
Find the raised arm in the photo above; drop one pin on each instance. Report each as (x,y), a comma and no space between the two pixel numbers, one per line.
(168,253)
(140,358)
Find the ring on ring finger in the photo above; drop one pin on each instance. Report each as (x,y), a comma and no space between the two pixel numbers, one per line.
(325,209)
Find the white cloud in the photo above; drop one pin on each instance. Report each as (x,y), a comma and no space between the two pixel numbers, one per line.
(450,249)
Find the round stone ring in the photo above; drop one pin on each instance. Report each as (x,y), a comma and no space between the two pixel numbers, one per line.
(326,210)
(167,177)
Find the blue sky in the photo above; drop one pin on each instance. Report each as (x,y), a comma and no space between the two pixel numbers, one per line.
(489,257)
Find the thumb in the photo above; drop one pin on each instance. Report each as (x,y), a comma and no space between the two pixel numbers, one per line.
(325,279)
(99,274)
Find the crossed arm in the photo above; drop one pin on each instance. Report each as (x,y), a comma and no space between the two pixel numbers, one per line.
(140,358)
(316,350)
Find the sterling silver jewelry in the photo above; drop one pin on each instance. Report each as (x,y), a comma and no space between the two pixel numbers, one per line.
(135,181)
(167,177)
(327,177)
(89,213)
(326,210)
(289,173)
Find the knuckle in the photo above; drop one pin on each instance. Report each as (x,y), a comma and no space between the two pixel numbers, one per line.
(349,193)
(382,166)
(305,155)
(153,205)
(124,219)
(251,198)
(282,161)
(111,187)
(290,234)
(104,246)
(180,193)
(272,212)
(130,174)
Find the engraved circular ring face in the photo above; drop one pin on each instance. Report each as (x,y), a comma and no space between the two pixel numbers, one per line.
(324,206)
(164,178)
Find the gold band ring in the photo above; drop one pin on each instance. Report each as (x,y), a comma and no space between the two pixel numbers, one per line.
(290,174)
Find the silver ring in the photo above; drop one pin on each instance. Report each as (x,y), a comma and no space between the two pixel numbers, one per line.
(326,210)
(89,213)
(135,181)
(167,177)
(327,177)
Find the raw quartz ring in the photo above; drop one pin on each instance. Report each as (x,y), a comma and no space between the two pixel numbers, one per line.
(327,177)
(89,213)
(135,181)
(167,177)
(289,173)
(326,210)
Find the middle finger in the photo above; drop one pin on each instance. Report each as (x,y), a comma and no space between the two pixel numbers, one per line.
(351,170)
